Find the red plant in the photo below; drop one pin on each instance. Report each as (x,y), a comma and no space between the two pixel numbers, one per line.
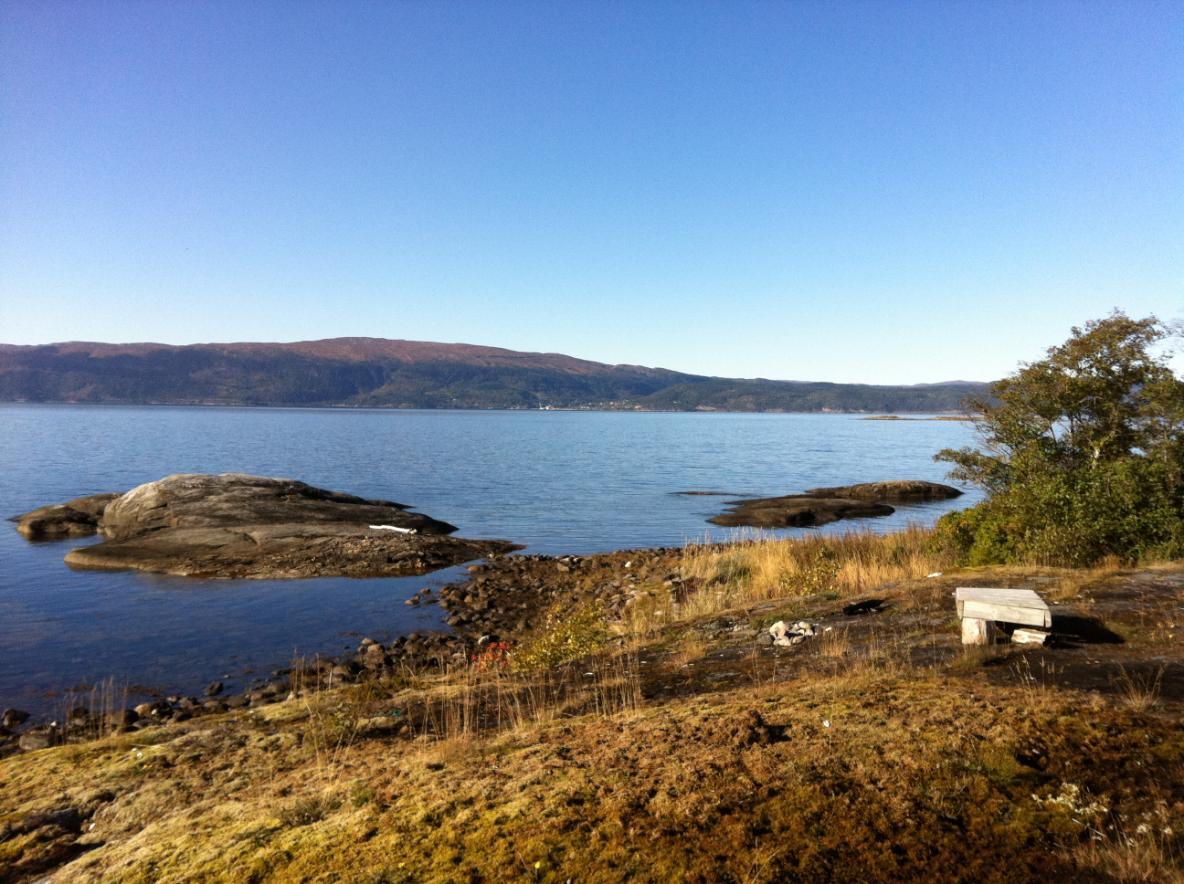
(493,656)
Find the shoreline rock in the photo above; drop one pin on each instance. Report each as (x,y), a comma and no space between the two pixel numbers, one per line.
(252,527)
(898,491)
(821,506)
(796,511)
(79,517)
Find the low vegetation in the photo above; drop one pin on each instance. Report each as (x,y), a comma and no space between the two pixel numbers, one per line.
(674,742)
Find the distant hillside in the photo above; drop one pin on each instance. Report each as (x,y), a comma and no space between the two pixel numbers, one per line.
(373,372)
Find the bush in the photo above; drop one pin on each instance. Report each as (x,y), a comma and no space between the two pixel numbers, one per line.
(1084,456)
(565,635)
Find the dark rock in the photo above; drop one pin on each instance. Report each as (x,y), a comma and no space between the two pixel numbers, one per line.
(214,689)
(797,511)
(899,491)
(821,506)
(40,738)
(235,499)
(76,518)
(238,526)
(122,719)
(241,526)
(14,717)
(868,606)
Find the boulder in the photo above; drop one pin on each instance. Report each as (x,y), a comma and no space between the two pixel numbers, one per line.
(239,526)
(75,518)
(13,718)
(40,738)
(236,499)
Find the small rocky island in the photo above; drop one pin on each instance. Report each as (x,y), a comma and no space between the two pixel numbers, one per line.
(239,526)
(821,506)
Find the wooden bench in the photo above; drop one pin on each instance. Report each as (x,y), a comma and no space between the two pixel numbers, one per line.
(981,607)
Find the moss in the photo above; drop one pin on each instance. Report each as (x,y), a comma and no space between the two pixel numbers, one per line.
(864,767)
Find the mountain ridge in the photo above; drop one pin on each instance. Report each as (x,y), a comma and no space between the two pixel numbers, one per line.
(396,373)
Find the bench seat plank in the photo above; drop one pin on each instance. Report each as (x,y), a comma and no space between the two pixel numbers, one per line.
(1022,606)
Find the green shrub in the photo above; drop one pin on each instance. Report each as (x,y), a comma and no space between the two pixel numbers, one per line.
(1084,456)
(565,635)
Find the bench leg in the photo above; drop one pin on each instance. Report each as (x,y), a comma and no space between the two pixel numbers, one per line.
(977,632)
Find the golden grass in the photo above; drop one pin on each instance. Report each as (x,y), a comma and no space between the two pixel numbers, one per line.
(717,577)
(763,569)
(1140,693)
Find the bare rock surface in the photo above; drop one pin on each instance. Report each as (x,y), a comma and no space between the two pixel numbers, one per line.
(190,500)
(796,511)
(75,518)
(821,506)
(239,526)
(899,491)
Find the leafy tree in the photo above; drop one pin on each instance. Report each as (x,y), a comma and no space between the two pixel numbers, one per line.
(1082,454)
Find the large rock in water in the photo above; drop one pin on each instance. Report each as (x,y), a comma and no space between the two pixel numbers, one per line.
(899,491)
(821,506)
(192,500)
(241,526)
(796,511)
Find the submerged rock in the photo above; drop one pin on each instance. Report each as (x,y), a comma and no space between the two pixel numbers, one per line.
(241,526)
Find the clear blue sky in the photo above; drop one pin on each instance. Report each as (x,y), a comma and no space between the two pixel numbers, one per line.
(883,192)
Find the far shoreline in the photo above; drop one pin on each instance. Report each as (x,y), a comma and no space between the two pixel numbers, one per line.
(858,415)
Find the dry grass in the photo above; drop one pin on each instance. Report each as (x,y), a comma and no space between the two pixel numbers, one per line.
(1147,857)
(95,713)
(687,652)
(716,578)
(835,642)
(844,565)
(1140,693)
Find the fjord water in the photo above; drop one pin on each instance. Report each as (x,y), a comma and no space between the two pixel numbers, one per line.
(558,482)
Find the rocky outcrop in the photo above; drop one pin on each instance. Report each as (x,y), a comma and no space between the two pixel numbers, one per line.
(796,511)
(900,491)
(240,526)
(75,518)
(236,499)
(317,549)
(821,506)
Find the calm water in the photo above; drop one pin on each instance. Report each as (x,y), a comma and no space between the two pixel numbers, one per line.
(559,482)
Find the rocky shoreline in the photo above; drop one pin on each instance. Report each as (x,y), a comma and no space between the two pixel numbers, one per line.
(502,599)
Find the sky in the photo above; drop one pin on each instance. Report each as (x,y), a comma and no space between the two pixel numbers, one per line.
(884,192)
